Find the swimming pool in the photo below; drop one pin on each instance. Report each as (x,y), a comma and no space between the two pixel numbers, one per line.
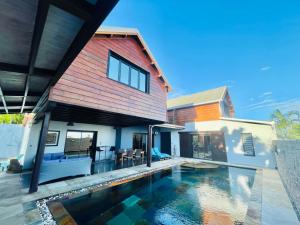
(180,195)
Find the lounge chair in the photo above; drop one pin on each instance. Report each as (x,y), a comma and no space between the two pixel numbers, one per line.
(157,155)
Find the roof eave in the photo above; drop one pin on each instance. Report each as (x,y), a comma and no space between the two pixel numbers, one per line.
(192,105)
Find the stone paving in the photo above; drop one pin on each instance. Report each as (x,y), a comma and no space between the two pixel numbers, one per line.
(19,207)
(11,210)
(276,205)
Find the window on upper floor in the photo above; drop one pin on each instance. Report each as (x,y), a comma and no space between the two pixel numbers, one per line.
(248,145)
(125,72)
(113,68)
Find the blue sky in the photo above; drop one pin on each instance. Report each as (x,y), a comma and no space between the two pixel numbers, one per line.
(253,47)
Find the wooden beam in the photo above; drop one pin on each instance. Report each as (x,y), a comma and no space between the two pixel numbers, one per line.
(149,145)
(21,93)
(40,20)
(79,8)
(48,106)
(38,72)
(15,107)
(13,68)
(41,101)
(3,101)
(33,98)
(101,10)
(40,154)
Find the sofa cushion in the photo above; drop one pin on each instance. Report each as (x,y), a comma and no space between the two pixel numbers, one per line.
(58,155)
(47,156)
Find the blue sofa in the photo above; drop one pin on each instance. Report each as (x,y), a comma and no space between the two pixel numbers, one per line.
(58,165)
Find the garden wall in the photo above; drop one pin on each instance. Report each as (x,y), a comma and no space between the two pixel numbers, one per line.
(11,136)
(288,162)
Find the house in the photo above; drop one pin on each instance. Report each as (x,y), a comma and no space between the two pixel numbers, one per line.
(212,133)
(112,94)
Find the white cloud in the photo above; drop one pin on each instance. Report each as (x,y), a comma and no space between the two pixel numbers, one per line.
(260,103)
(266,94)
(285,105)
(265,68)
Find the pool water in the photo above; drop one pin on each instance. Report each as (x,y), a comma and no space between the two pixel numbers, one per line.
(181,195)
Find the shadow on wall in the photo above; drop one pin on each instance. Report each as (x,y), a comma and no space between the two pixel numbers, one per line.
(263,148)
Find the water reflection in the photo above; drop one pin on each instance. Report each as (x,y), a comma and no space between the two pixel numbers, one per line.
(182,195)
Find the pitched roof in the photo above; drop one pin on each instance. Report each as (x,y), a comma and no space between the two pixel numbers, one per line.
(200,98)
(115,31)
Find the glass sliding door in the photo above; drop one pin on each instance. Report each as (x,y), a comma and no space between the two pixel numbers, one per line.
(79,142)
(201,145)
(139,141)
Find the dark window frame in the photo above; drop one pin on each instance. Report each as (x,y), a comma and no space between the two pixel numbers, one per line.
(95,136)
(130,65)
(142,134)
(246,153)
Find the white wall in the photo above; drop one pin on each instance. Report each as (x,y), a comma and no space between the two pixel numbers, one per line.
(127,136)
(262,137)
(10,140)
(106,136)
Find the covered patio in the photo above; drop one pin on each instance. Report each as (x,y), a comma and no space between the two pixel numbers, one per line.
(111,135)
(39,40)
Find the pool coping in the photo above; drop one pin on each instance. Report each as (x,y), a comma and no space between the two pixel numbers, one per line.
(254,211)
(140,171)
(46,214)
(41,203)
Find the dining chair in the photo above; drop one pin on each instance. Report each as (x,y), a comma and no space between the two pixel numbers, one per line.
(138,154)
(128,155)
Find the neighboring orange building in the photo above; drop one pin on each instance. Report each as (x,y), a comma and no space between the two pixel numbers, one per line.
(212,133)
(202,106)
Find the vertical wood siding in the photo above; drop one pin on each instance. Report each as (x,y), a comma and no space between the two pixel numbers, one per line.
(85,83)
(195,114)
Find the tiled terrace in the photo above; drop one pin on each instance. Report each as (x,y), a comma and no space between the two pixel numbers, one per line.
(19,207)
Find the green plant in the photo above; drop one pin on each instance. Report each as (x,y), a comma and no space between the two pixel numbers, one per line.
(11,118)
(287,125)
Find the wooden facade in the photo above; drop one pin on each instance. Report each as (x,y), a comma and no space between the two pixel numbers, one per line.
(198,113)
(86,84)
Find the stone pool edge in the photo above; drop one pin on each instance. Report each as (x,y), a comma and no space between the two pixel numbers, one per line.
(44,211)
(41,201)
(254,211)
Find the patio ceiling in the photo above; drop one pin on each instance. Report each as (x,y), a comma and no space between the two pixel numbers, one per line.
(39,39)
(77,114)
